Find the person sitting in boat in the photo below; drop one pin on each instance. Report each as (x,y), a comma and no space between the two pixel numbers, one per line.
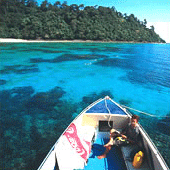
(128,136)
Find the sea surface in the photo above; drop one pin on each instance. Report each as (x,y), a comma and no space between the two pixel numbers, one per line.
(44,86)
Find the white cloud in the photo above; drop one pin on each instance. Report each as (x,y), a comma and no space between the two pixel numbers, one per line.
(161,28)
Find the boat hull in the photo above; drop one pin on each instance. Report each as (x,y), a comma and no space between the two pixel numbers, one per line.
(74,147)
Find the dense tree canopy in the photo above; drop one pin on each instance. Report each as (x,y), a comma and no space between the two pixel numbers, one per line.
(28,20)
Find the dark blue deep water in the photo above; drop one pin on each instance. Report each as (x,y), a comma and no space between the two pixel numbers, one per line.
(44,86)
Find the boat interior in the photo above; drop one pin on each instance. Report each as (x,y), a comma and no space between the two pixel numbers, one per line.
(97,127)
(91,131)
(100,136)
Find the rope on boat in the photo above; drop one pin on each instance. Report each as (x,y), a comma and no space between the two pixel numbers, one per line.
(107,107)
(148,114)
(109,113)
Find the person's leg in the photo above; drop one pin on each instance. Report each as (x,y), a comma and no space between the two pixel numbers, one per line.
(108,148)
(111,142)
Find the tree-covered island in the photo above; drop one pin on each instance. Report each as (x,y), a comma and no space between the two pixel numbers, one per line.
(25,19)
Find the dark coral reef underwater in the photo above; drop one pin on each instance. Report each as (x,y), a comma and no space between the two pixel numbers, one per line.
(32,122)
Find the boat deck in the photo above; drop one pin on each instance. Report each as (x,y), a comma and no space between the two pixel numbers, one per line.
(113,161)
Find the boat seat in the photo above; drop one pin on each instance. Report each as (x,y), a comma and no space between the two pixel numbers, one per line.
(127,150)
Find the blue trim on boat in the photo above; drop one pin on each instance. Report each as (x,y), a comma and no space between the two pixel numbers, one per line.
(101,108)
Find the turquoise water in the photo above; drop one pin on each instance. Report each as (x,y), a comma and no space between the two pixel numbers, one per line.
(45,85)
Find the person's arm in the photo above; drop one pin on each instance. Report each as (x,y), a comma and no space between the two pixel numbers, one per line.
(131,141)
(134,140)
(124,131)
(124,136)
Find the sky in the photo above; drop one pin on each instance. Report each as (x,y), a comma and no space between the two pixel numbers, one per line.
(156,12)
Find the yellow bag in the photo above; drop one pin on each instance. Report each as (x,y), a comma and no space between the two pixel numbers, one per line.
(138,159)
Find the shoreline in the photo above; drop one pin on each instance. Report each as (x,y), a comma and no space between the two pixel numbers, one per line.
(12,40)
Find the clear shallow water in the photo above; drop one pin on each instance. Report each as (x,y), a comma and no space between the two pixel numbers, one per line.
(45,85)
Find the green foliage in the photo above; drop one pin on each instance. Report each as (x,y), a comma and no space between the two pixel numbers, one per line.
(25,19)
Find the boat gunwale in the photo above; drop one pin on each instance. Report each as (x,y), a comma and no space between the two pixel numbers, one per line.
(153,148)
